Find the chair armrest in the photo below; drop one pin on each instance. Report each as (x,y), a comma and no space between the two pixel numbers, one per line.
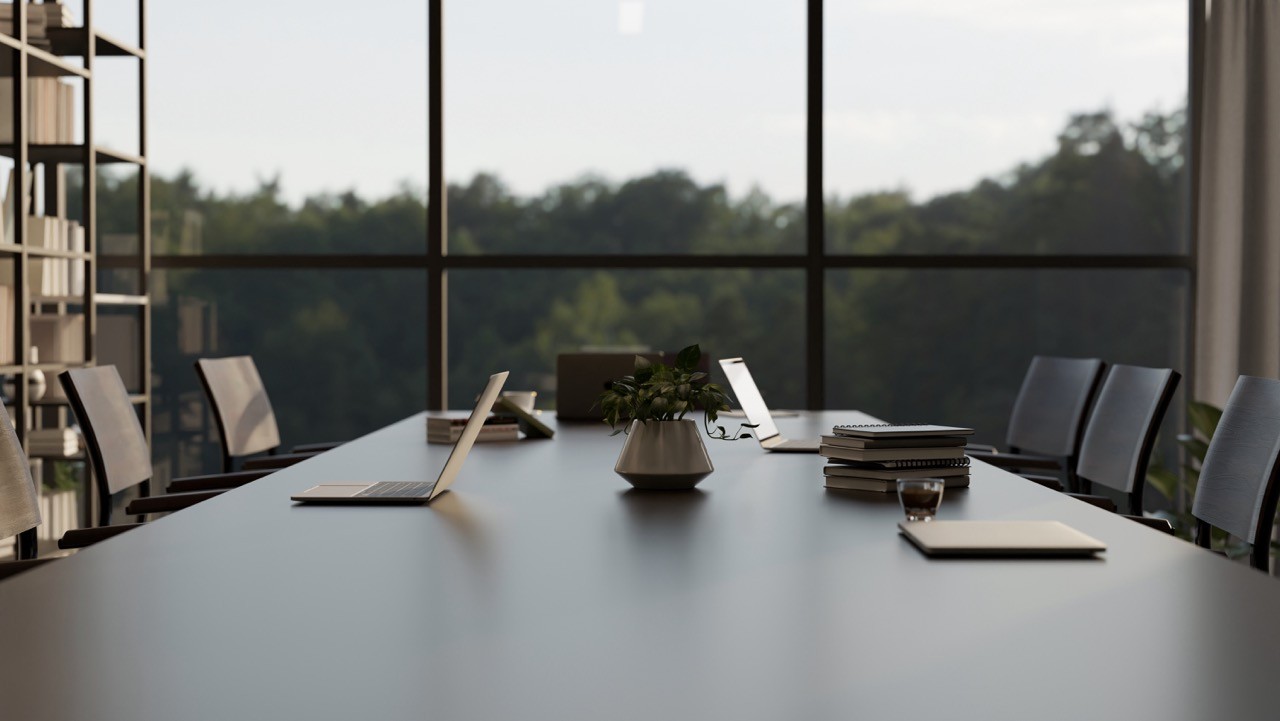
(980,448)
(1158,524)
(81,537)
(1018,460)
(315,447)
(1102,502)
(1050,482)
(216,481)
(167,502)
(13,568)
(282,460)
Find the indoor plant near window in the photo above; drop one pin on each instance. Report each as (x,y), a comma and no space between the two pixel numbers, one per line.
(663,450)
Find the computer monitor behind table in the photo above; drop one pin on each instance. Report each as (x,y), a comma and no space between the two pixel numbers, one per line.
(582,377)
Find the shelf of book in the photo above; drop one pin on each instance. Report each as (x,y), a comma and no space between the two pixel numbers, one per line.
(62,326)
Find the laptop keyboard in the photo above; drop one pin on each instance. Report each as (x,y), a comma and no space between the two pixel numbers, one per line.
(396,490)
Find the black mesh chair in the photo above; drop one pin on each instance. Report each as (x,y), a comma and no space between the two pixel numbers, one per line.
(246,420)
(118,448)
(1048,417)
(1121,432)
(1238,487)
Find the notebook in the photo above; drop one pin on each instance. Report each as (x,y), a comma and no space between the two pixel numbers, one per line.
(757,413)
(413,491)
(894,430)
(1000,538)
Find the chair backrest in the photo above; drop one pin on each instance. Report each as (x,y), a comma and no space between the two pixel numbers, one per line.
(246,421)
(19,505)
(1050,410)
(1237,487)
(117,445)
(1122,429)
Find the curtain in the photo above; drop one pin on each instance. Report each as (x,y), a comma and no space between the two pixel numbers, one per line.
(1238,229)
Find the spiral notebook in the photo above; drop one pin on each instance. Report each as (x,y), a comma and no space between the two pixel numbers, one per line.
(895,430)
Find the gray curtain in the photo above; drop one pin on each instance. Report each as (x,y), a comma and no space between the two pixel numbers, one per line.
(1238,279)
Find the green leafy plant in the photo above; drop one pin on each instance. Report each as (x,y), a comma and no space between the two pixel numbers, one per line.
(655,392)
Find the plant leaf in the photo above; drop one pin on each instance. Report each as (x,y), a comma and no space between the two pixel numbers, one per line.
(1204,417)
(687,358)
(1165,481)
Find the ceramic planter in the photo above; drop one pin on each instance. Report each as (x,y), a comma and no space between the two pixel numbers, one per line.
(664,456)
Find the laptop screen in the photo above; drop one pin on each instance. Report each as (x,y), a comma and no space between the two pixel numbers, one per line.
(469,432)
(748,397)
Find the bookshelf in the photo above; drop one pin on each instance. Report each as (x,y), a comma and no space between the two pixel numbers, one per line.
(50,249)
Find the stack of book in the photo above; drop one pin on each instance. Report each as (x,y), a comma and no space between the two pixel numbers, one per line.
(37,23)
(51,111)
(447,428)
(40,17)
(874,457)
(54,442)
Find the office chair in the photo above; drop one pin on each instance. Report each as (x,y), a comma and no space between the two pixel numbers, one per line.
(1048,417)
(1120,435)
(1238,488)
(246,421)
(20,507)
(118,447)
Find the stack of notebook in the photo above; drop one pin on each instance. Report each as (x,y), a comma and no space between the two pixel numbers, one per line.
(874,457)
(447,428)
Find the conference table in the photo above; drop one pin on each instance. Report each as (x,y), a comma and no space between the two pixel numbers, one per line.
(541,587)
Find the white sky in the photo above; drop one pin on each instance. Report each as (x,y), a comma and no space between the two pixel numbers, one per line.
(928,95)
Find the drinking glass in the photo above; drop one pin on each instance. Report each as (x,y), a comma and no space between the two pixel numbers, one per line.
(920,497)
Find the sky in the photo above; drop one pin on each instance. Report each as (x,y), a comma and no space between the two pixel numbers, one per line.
(923,95)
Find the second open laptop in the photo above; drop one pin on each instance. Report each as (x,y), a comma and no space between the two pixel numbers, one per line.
(757,413)
(413,491)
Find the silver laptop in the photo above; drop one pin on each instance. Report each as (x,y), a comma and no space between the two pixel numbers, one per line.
(757,413)
(413,491)
(1000,538)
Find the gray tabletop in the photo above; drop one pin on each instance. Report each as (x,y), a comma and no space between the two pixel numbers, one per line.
(541,588)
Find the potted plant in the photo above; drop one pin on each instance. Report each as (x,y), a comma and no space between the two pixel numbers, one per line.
(664,450)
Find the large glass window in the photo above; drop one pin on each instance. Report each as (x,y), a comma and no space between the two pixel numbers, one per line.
(281,124)
(985,130)
(952,346)
(520,320)
(579,126)
(341,352)
(1005,127)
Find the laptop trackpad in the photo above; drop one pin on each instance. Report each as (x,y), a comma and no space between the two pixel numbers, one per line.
(337,490)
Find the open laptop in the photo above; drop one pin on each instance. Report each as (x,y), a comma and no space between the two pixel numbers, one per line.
(757,413)
(413,491)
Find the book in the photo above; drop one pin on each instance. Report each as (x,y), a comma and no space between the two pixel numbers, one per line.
(448,428)
(503,432)
(833,469)
(458,420)
(904,464)
(847,483)
(890,454)
(892,430)
(910,442)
